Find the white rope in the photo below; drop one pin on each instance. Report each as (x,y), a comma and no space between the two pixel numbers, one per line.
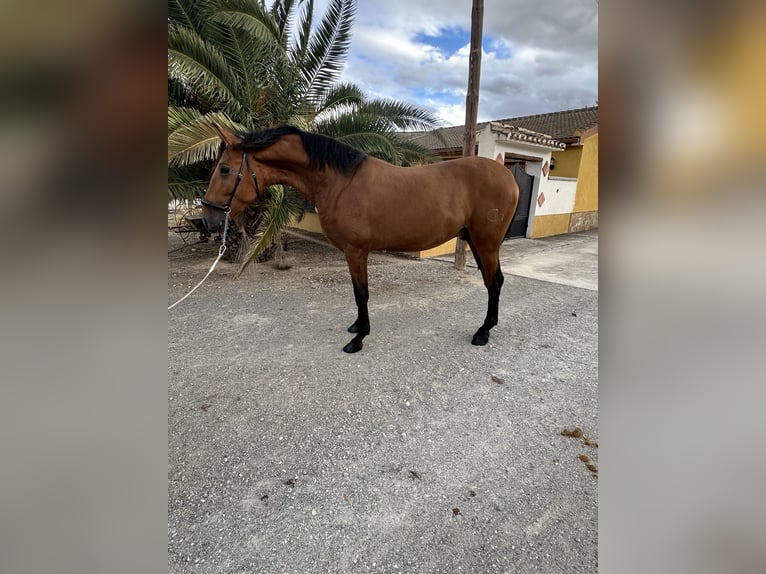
(221,251)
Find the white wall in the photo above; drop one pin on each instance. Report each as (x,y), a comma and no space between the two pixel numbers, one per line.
(559,195)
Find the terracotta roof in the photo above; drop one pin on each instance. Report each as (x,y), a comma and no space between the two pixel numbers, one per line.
(512,132)
(561,125)
(564,126)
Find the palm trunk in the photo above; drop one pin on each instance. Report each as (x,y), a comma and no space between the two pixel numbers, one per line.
(242,232)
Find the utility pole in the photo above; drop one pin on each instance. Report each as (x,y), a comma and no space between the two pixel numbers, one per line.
(471,103)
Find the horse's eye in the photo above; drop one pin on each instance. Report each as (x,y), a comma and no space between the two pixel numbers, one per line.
(224,169)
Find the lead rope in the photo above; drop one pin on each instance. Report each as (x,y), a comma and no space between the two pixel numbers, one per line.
(221,251)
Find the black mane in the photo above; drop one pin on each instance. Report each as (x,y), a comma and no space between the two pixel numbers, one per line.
(322,151)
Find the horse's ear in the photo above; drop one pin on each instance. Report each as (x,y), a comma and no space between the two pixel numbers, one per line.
(499,159)
(228,138)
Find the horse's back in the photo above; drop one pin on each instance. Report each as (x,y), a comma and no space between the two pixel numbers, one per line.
(485,182)
(414,208)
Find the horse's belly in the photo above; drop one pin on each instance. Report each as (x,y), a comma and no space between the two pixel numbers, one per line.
(403,235)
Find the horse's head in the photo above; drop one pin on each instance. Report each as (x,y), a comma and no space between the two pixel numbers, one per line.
(234,183)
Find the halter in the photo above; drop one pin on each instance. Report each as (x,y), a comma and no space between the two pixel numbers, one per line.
(227,206)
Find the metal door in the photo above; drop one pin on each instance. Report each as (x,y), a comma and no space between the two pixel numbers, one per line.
(519,222)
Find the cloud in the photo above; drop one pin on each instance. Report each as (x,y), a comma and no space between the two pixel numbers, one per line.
(539,56)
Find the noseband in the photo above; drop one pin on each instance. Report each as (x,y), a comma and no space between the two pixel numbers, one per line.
(227,206)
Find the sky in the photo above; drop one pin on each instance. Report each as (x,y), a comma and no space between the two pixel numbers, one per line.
(538,56)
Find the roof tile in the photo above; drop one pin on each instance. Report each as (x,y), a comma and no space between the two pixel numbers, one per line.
(563,126)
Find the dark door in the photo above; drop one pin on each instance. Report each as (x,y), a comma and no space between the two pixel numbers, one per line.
(525,181)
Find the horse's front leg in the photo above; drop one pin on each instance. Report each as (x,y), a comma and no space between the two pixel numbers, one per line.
(357,266)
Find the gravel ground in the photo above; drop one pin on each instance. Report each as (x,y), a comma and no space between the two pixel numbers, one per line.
(421,453)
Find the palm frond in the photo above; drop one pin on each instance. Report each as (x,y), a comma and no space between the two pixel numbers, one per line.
(195,139)
(376,144)
(412,153)
(339,125)
(282,13)
(192,14)
(250,16)
(366,133)
(186,190)
(400,115)
(248,54)
(376,137)
(284,97)
(338,98)
(301,120)
(328,46)
(298,50)
(180,116)
(282,205)
(201,65)
(189,182)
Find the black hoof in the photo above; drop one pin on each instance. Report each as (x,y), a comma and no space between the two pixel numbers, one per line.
(353,346)
(480,338)
(353,328)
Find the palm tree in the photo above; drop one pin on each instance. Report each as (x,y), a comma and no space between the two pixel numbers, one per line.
(244,66)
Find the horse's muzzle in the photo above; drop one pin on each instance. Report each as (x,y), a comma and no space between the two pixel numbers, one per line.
(213,218)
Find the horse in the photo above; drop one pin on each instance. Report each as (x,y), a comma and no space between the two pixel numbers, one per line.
(366,204)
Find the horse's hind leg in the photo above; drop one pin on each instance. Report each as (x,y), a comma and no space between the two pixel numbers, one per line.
(466,236)
(357,266)
(489,265)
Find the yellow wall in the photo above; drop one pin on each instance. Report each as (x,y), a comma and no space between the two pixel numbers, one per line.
(586,196)
(309,222)
(566,162)
(546,225)
(584,214)
(447,248)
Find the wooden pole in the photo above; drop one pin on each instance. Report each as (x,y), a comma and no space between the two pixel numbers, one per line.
(471,102)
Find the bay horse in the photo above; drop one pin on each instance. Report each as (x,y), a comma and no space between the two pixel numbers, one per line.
(366,204)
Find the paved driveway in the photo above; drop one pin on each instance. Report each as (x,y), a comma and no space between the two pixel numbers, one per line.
(421,453)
